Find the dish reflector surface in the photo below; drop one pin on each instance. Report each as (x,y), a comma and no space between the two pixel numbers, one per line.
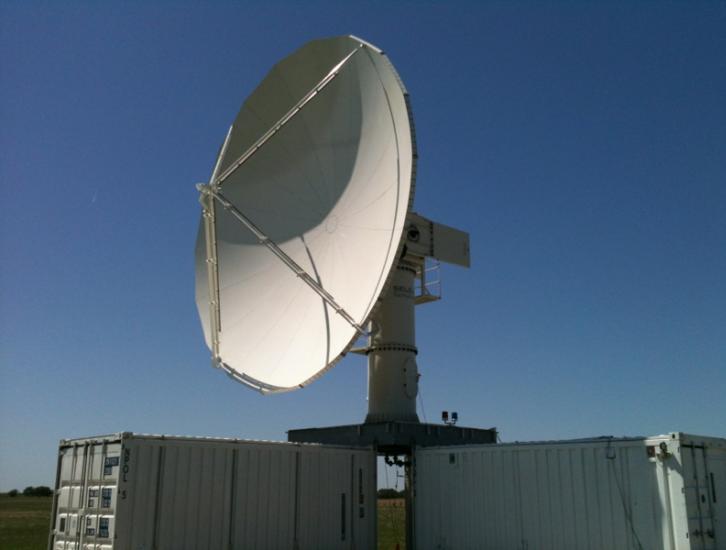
(332,188)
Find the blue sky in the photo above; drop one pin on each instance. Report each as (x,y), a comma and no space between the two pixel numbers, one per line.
(583,146)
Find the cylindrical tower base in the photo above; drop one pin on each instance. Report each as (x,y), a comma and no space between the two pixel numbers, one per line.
(392,370)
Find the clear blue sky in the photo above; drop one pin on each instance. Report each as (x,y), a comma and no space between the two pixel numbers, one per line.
(583,146)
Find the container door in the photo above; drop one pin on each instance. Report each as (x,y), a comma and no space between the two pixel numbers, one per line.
(716,466)
(699,504)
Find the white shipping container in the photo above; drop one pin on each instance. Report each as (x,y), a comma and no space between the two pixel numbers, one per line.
(144,492)
(658,493)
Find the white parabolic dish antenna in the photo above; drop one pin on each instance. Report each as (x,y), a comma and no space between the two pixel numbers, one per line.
(304,214)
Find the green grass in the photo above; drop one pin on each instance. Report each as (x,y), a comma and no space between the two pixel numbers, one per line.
(391,524)
(24,522)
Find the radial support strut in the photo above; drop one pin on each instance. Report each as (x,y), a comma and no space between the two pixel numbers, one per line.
(213,192)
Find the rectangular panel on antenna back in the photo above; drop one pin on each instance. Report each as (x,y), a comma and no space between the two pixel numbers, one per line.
(450,245)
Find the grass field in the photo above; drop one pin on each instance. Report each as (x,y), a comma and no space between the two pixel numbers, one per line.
(391,524)
(24,522)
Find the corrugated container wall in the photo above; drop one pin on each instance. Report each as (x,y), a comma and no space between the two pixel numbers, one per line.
(133,492)
(661,493)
